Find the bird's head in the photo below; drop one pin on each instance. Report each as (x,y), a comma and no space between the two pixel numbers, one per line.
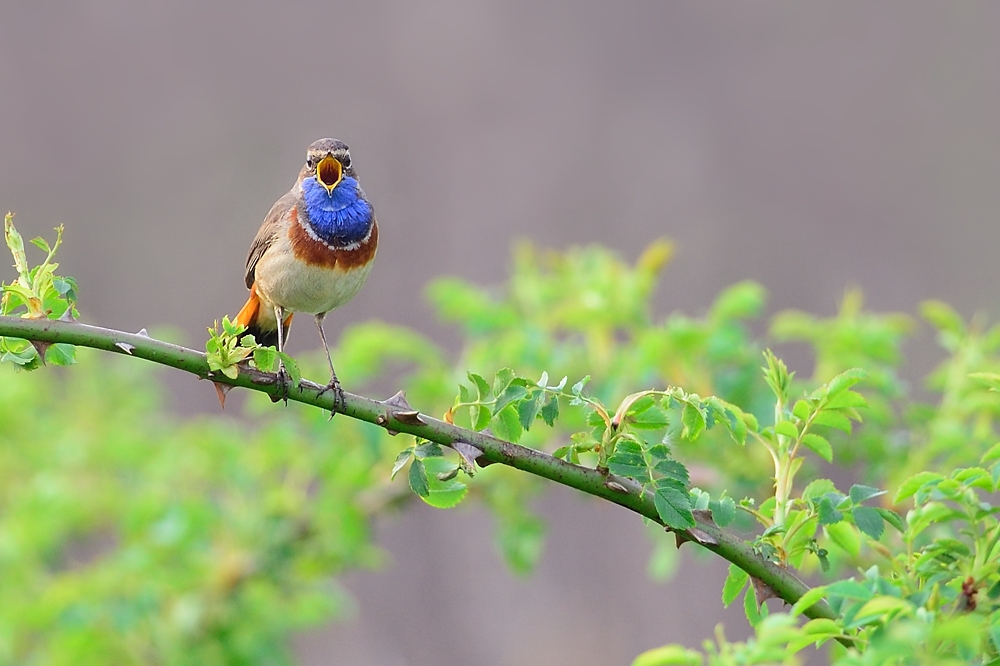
(328,161)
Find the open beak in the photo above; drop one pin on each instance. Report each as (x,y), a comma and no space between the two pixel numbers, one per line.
(329,172)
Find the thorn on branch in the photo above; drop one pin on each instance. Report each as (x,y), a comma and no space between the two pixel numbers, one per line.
(696,534)
(699,536)
(469,454)
(41,348)
(67,315)
(143,333)
(399,401)
(125,347)
(617,487)
(762,591)
(222,390)
(401,410)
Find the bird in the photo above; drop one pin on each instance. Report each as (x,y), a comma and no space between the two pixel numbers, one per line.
(312,254)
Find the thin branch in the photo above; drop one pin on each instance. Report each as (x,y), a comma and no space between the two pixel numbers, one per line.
(394,416)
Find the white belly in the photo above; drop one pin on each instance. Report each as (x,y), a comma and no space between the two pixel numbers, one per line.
(298,287)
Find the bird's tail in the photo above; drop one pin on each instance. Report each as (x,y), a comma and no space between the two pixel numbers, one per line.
(261,322)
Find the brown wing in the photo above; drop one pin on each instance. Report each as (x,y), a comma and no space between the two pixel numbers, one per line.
(274,223)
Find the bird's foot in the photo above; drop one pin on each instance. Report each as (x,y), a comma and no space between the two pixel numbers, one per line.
(339,401)
(283,381)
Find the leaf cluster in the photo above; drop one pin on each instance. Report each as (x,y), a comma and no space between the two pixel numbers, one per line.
(227,348)
(36,293)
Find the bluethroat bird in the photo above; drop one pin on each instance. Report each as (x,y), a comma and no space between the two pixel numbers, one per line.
(312,253)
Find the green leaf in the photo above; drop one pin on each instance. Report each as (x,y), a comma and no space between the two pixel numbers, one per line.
(673,469)
(915,483)
(673,504)
(578,387)
(821,629)
(651,418)
(481,385)
(501,380)
(480,415)
(974,477)
(845,536)
(550,411)
(844,381)
(699,499)
(507,424)
(264,358)
(740,301)
(61,354)
(802,409)
(754,613)
(736,580)
(827,511)
(401,459)
(849,589)
(723,511)
(807,600)
(847,400)
(861,493)
(628,460)
(883,605)
(66,287)
(993,453)
(818,445)
(527,410)
(443,494)
(776,375)
(428,450)
(639,405)
(511,393)
(868,520)
(418,478)
(669,655)
(230,328)
(942,317)
(291,367)
(658,453)
(833,419)
(693,420)
(786,428)
(892,518)
(818,488)
(41,244)
(732,417)
(26,358)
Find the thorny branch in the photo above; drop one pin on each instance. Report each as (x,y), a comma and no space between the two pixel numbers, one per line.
(396,416)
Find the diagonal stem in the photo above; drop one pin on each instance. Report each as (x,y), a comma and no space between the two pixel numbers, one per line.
(618,490)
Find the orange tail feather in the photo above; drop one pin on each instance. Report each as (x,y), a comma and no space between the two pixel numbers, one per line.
(262,327)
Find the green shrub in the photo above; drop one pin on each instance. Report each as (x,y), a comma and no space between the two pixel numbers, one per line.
(127,536)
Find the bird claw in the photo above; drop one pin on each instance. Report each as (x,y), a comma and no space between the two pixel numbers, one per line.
(339,401)
(282,380)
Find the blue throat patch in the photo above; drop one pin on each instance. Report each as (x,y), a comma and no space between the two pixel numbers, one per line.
(340,217)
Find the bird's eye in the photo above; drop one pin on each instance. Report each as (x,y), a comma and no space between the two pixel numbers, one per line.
(346,161)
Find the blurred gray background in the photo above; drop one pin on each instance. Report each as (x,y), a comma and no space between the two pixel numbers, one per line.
(805,145)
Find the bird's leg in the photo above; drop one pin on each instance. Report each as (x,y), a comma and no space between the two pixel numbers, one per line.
(282,375)
(334,384)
